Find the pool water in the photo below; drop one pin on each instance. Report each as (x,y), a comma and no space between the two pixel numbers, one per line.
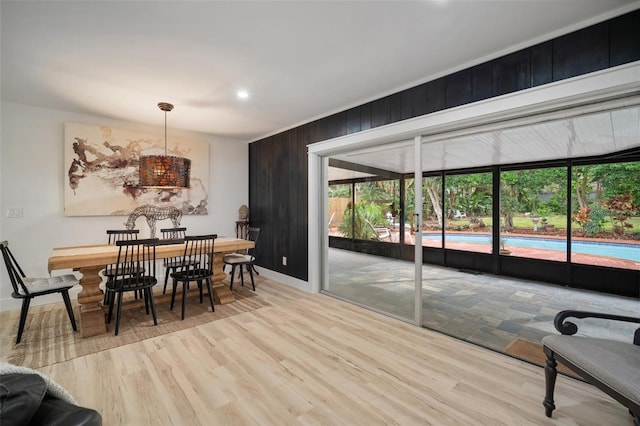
(619,250)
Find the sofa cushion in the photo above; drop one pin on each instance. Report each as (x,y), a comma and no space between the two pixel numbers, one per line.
(56,412)
(614,363)
(20,397)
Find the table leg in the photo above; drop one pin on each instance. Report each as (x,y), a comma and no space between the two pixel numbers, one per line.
(92,321)
(221,291)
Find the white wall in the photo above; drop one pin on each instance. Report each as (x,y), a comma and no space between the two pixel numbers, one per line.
(32,176)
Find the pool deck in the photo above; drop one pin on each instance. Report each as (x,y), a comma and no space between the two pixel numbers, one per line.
(556,255)
(559,256)
(534,253)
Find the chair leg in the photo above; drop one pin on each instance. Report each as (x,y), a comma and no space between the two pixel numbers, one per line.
(200,288)
(250,268)
(23,317)
(184,296)
(233,272)
(67,304)
(173,294)
(146,301)
(166,279)
(118,312)
(107,296)
(550,373)
(241,276)
(153,305)
(210,288)
(111,302)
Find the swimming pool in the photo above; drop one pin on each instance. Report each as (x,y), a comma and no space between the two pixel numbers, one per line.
(619,250)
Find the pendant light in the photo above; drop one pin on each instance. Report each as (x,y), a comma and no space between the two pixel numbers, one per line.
(164,171)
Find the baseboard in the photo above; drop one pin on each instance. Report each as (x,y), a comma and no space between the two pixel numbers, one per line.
(285,279)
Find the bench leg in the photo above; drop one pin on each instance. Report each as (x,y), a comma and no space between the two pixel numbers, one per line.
(550,374)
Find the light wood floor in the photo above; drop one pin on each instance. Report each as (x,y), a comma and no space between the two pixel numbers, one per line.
(311,359)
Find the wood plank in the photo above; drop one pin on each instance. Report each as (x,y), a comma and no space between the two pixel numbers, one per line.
(312,359)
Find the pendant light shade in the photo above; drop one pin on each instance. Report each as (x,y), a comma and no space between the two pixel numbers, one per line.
(164,171)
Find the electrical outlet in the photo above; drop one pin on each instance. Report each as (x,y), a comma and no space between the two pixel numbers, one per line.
(14,212)
(284,260)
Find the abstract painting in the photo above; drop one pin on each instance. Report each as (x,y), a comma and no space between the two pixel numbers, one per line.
(101,172)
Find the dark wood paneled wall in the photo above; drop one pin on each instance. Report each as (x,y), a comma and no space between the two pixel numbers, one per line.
(278,164)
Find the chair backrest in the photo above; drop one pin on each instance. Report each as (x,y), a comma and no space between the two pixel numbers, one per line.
(173,233)
(197,260)
(135,255)
(331,219)
(115,235)
(15,271)
(252,235)
(373,230)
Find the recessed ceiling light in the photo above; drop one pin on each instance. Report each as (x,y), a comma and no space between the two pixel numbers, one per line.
(243,94)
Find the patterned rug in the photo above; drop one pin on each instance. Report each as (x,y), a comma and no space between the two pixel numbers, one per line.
(532,352)
(49,339)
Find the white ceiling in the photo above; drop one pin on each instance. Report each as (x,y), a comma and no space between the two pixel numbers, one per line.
(573,137)
(298,60)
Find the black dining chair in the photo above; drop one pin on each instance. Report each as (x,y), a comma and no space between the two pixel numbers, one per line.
(244,259)
(196,265)
(113,236)
(133,255)
(172,263)
(29,288)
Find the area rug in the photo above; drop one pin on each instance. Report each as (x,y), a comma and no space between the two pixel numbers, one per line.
(49,339)
(532,352)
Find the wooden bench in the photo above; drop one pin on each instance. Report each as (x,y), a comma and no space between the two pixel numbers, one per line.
(612,366)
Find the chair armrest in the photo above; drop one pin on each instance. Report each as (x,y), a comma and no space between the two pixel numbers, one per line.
(569,328)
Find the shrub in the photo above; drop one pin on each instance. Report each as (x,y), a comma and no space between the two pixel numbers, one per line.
(597,216)
(363,212)
(620,208)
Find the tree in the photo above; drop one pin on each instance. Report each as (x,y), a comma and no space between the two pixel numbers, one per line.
(339,191)
(520,191)
(375,191)
(581,183)
(468,192)
(433,187)
(618,178)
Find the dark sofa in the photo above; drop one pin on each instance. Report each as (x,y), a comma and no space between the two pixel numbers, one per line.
(31,399)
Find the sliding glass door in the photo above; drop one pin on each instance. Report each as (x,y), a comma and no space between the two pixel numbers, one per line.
(368,225)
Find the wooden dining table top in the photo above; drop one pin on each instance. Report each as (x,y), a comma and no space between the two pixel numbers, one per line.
(102,254)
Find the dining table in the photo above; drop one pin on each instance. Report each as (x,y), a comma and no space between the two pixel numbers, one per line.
(90,260)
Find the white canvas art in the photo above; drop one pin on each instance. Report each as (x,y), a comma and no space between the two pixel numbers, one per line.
(101,172)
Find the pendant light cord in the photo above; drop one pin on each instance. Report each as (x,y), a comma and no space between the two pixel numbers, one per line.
(166,107)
